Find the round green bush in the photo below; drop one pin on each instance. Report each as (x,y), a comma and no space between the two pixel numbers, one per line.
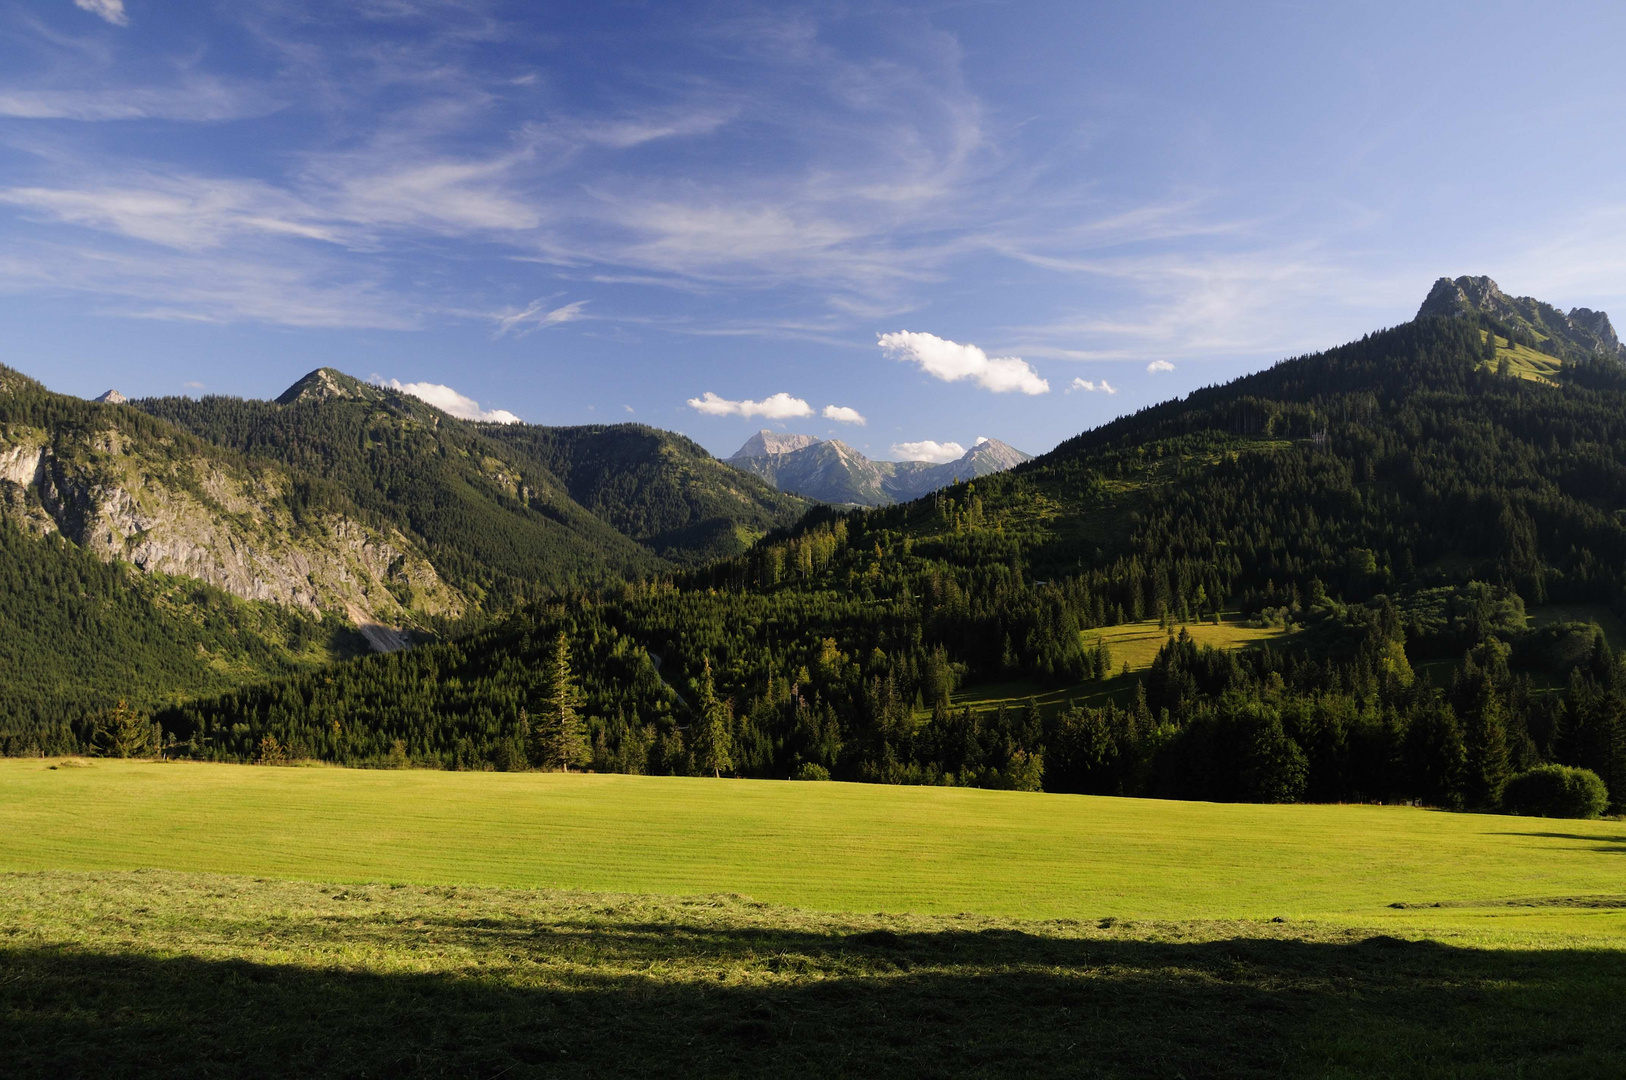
(807,770)
(1556,791)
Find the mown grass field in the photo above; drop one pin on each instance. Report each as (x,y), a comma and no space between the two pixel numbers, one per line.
(825,846)
(181,919)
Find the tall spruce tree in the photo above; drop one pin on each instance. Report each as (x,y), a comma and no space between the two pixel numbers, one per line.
(711,737)
(563,737)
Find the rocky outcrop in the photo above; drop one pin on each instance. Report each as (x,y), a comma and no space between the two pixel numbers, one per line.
(765,443)
(1596,323)
(163,510)
(328,384)
(1581,333)
(112,397)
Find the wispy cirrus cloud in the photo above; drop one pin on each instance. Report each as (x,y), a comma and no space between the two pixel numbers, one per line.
(1089,386)
(197,99)
(111,10)
(537,316)
(179,211)
(211,287)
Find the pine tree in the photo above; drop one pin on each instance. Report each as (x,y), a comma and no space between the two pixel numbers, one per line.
(711,736)
(124,734)
(561,733)
(1475,693)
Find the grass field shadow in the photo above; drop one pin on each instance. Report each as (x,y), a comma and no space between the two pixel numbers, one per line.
(1617,844)
(680,998)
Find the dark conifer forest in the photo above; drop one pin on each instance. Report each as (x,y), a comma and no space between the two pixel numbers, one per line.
(1398,502)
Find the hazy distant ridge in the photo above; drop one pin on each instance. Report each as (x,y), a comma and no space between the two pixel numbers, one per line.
(831,471)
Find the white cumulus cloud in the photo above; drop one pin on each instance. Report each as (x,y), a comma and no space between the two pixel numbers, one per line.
(929,450)
(533,317)
(450,401)
(780,406)
(952,362)
(1160,365)
(111,10)
(844,415)
(1090,387)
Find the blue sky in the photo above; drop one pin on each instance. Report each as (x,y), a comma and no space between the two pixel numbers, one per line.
(952,220)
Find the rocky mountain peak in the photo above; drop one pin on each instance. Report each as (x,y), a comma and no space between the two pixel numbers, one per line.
(328,384)
(1581,333)
(834,472)
(992,455)
(1597,324)
(112,397)
(765,443)
(1465,296)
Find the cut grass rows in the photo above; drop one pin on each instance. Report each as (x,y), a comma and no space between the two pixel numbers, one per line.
(833,847)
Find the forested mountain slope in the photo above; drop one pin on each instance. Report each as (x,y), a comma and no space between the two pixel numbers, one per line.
(161,549)
(141,563)
(1396,499)
(661,489)
(495,507)
(499,530)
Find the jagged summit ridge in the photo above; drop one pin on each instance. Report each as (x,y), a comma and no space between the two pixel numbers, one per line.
(1582,332)
(767,442)
(112,397)
(831,471)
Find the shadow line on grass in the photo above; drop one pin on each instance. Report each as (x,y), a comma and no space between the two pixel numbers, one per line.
(668,998)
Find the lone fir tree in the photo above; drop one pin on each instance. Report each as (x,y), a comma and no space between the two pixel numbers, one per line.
(560,732)
(711,737)
(123,733)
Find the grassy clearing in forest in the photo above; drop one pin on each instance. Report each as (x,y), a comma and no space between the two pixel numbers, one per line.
(1526,363)
(1137,644)
(1610,623)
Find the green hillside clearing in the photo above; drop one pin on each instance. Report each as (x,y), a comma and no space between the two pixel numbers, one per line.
(1133,644)
(1137,644)
(1614,629)
(1526,363)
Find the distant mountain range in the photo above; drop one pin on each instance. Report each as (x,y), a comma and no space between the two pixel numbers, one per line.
(833,472)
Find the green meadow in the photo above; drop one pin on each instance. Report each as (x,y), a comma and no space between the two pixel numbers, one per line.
(1133,645)
(820,846)
(206,920)
(1137,644)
